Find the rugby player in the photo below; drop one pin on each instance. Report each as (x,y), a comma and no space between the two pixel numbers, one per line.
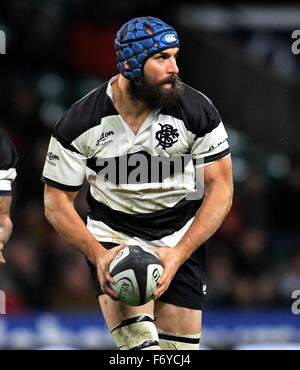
(114,137)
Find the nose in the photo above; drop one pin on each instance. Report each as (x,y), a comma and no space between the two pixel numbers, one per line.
(172,66)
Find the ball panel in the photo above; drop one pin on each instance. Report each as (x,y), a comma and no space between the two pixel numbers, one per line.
(119,257)
(145,280)
(154,272)
(136,272)
(127,287)
(130,259)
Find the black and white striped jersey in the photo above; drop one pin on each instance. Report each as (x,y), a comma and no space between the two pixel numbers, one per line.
(8,161)
(140,186)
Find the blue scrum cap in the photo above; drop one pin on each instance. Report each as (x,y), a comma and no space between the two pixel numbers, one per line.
(140,38)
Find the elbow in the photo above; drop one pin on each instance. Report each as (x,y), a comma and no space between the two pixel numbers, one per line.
(6,228)
(47,213)
(9,228)
(229,204)
(50,208)
(55,204)
(229,199)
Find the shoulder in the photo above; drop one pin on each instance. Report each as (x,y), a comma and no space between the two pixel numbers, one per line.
(83,115)
(194,100)
(201,114)
(197,111)
(8,156)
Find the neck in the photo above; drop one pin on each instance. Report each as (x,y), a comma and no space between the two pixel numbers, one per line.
(124,104)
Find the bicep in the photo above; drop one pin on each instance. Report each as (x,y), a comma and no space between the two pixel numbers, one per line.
(57,196)
(218,173)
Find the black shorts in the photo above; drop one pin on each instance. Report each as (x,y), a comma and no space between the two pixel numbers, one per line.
(188,287)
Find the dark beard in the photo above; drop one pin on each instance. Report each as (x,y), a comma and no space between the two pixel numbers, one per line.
(153,96)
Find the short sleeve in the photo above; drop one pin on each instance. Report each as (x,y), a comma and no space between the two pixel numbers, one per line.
(207,134)
(8,162)
(211,146)
(65,165)
(64,168)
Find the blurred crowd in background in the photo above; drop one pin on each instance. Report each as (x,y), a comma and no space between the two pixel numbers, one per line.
(57,51)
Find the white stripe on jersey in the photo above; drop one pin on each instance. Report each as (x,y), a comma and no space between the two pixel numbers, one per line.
(212,143)
(104,233)
(130,198)
(6,178)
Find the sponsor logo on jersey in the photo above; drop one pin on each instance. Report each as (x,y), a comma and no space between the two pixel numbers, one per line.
(104,137)
(52,157)
(215,146)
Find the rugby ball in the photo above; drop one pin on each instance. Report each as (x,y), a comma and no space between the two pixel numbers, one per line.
(136,271)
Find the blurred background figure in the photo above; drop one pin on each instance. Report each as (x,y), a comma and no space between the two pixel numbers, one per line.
(242,56)
(8,161)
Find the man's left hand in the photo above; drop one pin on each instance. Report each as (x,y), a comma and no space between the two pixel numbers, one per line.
(171,259)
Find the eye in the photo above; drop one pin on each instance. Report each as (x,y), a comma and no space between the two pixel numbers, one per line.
(163,56)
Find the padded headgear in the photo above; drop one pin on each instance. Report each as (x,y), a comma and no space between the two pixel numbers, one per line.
(140,38)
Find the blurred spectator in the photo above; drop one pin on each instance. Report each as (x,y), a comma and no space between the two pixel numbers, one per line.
(284,202)
(244,293)
(289,279)
(253,198)
(72,287)
(250,256)
(221,280)
(26,272)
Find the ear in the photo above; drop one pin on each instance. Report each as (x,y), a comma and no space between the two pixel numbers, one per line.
(126,65)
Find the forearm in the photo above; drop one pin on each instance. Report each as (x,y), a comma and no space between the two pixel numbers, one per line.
(5,228)
(65,219)
(208,219)
(61,213)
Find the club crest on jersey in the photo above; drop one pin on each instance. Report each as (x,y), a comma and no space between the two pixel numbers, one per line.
(166,136)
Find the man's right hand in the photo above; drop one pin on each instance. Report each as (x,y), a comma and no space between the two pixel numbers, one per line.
(102,264)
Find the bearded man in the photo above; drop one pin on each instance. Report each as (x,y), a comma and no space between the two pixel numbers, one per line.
(114,136)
